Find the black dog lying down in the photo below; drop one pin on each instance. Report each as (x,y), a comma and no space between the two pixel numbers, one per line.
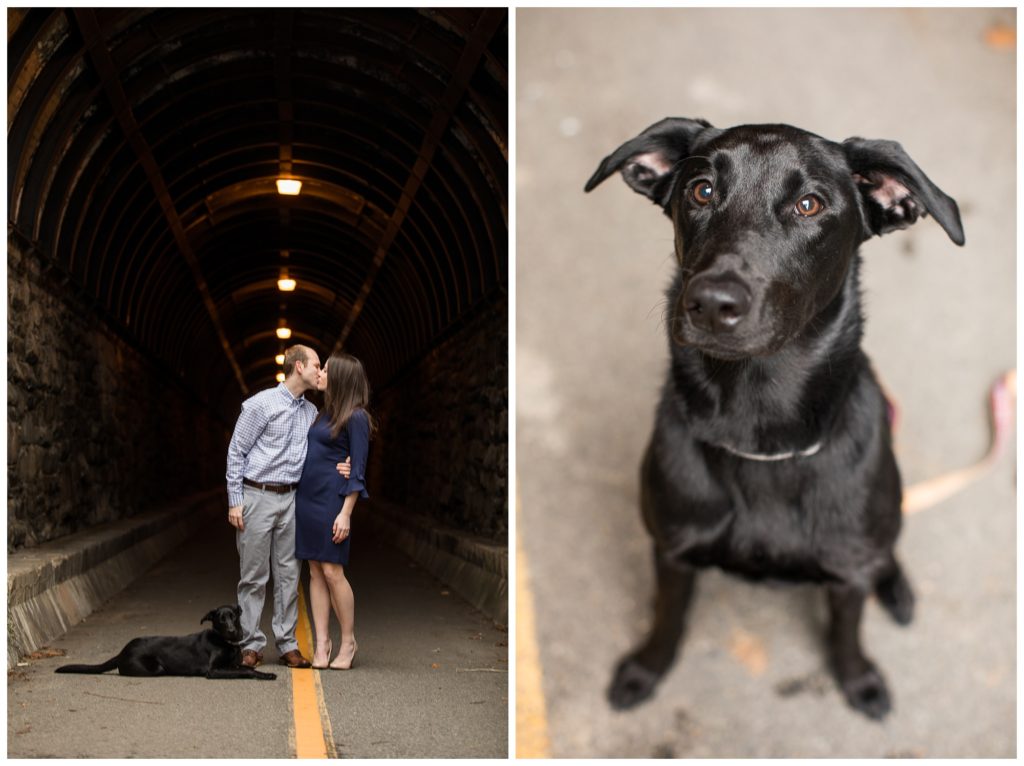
(211,653)
(771,454)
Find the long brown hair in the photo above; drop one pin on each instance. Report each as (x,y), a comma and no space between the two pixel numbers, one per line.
(347,390)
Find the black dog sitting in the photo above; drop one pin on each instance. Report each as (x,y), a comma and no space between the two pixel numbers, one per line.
(771,454)
(211,653)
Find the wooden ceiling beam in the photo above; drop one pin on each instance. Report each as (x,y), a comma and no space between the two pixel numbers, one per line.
(99,55)
(486,26)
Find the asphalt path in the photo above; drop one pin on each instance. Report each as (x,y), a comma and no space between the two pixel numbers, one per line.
(430,678)
(592,354)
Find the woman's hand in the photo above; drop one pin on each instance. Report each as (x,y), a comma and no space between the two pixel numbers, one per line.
(342,527)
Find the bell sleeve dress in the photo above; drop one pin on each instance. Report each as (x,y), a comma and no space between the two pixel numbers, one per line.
(322,490)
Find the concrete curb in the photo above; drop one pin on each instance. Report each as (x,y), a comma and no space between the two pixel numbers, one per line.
(475,568)
(59,584)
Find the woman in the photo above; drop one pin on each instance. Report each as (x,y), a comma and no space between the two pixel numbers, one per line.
(324,502)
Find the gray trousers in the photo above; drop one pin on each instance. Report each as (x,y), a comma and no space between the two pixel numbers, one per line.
(265,547)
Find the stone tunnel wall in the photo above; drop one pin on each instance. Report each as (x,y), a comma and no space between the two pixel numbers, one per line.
(442,447)
(96,431)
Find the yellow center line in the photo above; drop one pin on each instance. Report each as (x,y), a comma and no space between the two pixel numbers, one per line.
(531,712)
(312,726)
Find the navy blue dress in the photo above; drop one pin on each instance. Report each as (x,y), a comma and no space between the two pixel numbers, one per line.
(322,489)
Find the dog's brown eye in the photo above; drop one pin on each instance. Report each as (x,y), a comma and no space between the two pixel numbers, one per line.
(703,192)
(809,205)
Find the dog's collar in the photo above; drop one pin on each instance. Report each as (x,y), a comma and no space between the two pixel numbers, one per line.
(813,449)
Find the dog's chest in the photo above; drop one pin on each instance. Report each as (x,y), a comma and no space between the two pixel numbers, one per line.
(774,541)
(770,535)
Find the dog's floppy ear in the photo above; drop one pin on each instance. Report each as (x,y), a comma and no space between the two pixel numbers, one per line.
(646,161)
(896,191)
(208,617)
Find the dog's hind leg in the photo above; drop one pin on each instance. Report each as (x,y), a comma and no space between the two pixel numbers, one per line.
(895,594)
(141,665)
(640,671)
(858,677)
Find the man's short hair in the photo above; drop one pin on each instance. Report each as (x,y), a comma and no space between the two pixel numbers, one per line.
(292,355)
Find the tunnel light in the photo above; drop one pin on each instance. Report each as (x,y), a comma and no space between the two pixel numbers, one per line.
(285,283)
(280,377)
(289,186)
(279,358)
(282,330)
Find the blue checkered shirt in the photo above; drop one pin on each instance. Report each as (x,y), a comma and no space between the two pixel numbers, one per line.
(269,442)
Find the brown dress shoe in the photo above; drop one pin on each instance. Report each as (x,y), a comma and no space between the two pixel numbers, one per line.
(294,660)
(251,658)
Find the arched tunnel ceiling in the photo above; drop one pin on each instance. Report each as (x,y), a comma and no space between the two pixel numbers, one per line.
(144,146)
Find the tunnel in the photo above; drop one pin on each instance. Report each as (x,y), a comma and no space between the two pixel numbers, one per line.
(155,260)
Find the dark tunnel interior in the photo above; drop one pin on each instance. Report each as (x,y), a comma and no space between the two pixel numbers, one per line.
(147,237)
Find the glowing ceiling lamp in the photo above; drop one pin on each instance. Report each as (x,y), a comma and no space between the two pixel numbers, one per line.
(280,377)
(279,358)
(283,332)
(289,186)
(285,283)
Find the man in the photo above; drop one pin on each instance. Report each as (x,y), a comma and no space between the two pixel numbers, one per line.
(265,459)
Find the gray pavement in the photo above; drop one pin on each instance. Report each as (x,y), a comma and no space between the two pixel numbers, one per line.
(591,355)
(430,678)
(433,679)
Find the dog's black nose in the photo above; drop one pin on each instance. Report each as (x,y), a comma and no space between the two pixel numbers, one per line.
(716,304)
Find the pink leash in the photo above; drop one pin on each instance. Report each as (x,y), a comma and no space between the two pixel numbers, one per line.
(1002,404)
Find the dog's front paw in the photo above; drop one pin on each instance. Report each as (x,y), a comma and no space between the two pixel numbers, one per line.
(260,675)
(897,598)
(868,694)
(631,684)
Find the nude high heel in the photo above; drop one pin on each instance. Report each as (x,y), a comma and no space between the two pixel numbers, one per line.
(351,661)
(330,648)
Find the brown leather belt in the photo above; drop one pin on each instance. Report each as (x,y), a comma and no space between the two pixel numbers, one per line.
(278,488)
